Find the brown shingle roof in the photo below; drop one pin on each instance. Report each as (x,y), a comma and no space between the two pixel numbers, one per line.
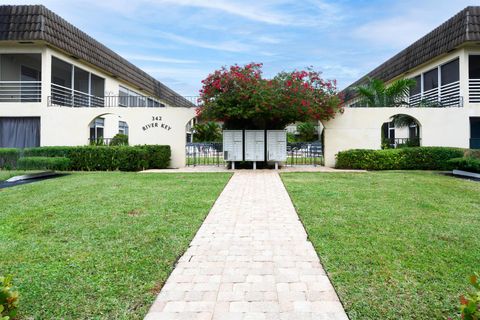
(461,28)
(35,22)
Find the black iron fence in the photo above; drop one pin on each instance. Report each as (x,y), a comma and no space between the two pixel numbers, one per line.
(304,154)
(401,142)
(211,154)
(204,154)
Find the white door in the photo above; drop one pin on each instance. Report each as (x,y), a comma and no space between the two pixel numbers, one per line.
(254,145)
(277,145)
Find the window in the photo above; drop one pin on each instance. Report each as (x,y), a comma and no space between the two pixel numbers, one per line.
(450,72)
(61,73)
(74,86)
(81,80)
(129,98)
(430,80)
(418,86)
(19,132)
(474,67)
(123,127)
(96,129)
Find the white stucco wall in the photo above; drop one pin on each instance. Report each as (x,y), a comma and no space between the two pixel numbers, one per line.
(360,128)
(66,126)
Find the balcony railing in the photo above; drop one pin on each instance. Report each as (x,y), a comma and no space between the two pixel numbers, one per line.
(68,97)
(445,96)
(474,90)
(20,91)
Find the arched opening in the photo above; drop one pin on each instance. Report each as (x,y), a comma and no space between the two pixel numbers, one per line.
(402,130)
(108,129)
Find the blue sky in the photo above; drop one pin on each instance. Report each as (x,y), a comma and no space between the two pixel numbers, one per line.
(180,42)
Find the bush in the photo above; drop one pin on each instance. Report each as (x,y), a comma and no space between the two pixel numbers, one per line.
(119,139)
(417,158)
(472,153)
(465,164)
(470,305)
(8,158)
(8,299)
(158,157)
(108,158)
(48,151)
(44,163)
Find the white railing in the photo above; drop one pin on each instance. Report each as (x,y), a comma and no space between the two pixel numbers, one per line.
(68,97)
(447,95)
(474,90)
(20,91)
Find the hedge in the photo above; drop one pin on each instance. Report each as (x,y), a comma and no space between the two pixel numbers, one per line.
(472,153)
(465,164)
(107,158)
(9,157)
(415,158)
(44,163)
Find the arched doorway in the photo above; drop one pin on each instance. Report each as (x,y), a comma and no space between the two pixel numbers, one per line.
(107,129)
(402,130)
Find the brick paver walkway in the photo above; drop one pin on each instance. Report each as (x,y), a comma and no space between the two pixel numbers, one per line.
(249,260)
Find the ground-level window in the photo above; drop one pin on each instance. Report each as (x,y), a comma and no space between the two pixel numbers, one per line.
(96,129)
(19,132)
(123,127)
(474,132)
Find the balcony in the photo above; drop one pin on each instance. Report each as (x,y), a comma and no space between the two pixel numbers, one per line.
(20,91)
(20,78)
(67,97)
(444,96)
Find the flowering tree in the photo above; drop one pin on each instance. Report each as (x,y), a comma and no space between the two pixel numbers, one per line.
(241,98)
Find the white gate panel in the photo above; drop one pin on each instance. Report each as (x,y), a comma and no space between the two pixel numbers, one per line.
(277,145)
(254,145)
(233,145)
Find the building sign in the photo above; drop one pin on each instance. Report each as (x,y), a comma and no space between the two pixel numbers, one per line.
(156,122)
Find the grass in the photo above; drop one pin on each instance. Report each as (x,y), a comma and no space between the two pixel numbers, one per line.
(99,245)
(7,174)
(396,245)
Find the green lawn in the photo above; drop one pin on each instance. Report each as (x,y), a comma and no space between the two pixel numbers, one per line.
(5,174)
(99,245)
(397,245)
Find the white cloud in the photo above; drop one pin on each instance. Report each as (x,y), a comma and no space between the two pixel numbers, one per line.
(230,46)
(156,58)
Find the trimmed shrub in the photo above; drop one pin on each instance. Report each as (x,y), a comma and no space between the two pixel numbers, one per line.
(417,158)
(465,164)
(158,156)
(44,163)
(62,151)
(8,158)
(119,140)
(103,158)
(108,158)
(472,153)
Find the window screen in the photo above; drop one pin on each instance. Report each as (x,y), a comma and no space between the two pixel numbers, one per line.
(430,80)
(474,67)
(450,72)
(418,86)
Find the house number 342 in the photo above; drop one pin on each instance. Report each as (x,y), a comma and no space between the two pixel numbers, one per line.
(156,118)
